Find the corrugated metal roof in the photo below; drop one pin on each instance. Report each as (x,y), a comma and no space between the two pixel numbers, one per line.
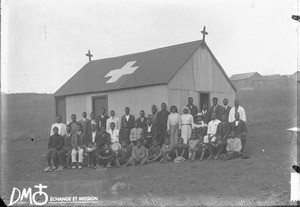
(154,67)
(270,77)
(242,76)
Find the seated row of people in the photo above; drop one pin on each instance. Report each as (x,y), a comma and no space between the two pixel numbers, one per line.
(212,138)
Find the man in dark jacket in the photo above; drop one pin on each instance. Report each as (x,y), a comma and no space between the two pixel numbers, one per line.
(240,129)
(56,142)
(74,123)
(92,138)
(193,109)
(162,119)
(149,133)
(223,132)
(127,117)
(142,120)
(216,108)
(64,154)
(78,145)
(226,107)
(102,118)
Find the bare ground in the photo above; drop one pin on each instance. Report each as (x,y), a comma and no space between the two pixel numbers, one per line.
(263,179)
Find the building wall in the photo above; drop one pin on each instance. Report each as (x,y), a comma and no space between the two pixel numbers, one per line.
(199,74)
(135,99)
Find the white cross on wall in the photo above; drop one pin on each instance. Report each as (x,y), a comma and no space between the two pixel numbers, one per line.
(118,73)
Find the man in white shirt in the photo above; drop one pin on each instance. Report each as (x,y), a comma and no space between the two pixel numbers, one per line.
(61,126)
(233,148)
(211,132)
(237,109)
(114,133)
(113,119)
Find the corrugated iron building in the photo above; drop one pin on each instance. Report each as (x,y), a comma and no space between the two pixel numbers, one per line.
(169,74)
(244,80)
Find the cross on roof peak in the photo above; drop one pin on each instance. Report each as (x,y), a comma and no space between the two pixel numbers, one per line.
(89,55)
(204,33)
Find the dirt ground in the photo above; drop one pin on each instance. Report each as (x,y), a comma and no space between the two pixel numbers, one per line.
(263,179)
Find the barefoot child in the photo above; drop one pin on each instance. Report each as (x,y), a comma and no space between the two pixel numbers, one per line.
(181,150)
(164,153)
(202,147)
(193,146)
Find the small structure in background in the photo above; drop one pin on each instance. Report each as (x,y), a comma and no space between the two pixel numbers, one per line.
(244,80)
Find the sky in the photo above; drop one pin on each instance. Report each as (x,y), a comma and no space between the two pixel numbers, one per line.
(43,42)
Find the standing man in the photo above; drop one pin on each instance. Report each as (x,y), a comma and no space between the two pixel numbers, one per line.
(150,132)
(127,117)
(193,109)
(153,115)
(73,125)
(60,126)
(142,120)
(216,108)
(102,118)
(235,109)
(84,123)
(78,144)
(113,119)
(92,121)
(226,107)
(162,120)
(240,129)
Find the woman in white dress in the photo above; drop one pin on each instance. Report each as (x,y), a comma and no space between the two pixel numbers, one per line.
(187,125)
(173,126)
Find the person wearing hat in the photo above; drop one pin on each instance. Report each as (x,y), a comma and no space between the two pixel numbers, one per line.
(187,125)
(200,126)
(153,115)
(92,138)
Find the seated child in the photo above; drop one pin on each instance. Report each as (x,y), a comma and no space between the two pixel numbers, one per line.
(202,147)
(123,154)
(180,150)
(164,153)
(193,146)
(106,157)
(233,148)
(138,155)
(153,151)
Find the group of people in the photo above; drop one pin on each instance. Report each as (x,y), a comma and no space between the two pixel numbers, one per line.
(217,132)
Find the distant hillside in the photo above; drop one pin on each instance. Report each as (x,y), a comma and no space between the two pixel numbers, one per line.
(31,115)
(26,115)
